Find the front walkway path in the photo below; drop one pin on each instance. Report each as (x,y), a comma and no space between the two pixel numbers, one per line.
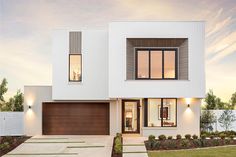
(134,147)
(64,146)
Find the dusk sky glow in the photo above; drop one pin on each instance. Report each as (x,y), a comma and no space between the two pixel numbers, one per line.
(26,26)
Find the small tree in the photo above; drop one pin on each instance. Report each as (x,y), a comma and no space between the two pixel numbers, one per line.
(3,89)
(233,101)
(15,103)
(226,119)
(213,102)
(210,100)
(208,118)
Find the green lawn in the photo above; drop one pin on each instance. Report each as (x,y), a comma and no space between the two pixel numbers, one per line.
(211,152)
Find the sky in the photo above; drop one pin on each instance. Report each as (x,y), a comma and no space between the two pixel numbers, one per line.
(26,26)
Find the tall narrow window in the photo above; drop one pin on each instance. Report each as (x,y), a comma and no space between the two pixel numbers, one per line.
(143,64)
(156,64)
(169,66)
(75,57)
(75,65)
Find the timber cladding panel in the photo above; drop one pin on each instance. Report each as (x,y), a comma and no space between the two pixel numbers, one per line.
(180,43)
(75,42)
(75,118)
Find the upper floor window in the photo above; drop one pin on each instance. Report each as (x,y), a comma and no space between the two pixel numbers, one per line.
(75,57)
(156,64)
(75,67)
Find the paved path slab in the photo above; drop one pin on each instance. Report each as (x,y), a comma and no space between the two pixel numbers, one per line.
(58,146)
(134,147)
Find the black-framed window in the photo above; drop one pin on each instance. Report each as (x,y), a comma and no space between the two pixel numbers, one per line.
(156,64)
(160,112)
(75,67)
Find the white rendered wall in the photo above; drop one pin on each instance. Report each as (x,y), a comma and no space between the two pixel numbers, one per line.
(122,88)
(34,96)
(115,117)
(11,123)
(188,121)
(94,85)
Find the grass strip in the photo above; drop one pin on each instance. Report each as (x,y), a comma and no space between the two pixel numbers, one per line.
(42,154)
(133,144)
(54,142)
(135,152)
(84,146)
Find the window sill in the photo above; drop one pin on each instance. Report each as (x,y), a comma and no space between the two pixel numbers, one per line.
(160,128)
(75,82)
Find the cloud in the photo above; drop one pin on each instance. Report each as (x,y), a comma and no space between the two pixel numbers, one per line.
(224,47)
(219,26)
(228,50)
(25,28)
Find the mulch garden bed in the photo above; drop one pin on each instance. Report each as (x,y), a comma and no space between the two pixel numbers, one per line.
(8,143)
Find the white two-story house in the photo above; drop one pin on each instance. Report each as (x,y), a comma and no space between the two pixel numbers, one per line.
(133,77)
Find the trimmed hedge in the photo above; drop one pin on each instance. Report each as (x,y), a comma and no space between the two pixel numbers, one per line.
(171,144)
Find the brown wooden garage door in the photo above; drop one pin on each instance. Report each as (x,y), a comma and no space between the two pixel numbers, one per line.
(80,118)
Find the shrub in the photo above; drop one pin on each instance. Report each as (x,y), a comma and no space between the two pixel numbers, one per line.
(215,142)
(118,145)
(195,137)
(204,142)
(227,141)
(185,143)
(151,142)
(212,136)
(4,145)
(196,143)
(149,145)
(171,144)
(222,136)
(151,138)
(231,137)
(170,137)
(162,137)
(156,145)
(118,134)
(188,136)
(168,144)
(203,136)
(178,137)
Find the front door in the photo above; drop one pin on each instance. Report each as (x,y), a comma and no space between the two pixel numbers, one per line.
(130,116)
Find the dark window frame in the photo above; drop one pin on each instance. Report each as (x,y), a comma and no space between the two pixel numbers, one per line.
(146,112)
(149,64)
(80,66)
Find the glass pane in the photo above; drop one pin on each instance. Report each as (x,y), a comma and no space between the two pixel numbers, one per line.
(75,68)
(169,112)
(154,112)
(156,64)
(169,64)
(143,64)
(130,119)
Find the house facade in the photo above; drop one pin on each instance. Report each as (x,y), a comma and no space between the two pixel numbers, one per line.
(134,78)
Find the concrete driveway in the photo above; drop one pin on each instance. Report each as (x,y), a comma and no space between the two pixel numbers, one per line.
(65,146)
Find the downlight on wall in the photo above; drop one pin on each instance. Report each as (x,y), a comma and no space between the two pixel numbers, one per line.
(188,100)
(30,101)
